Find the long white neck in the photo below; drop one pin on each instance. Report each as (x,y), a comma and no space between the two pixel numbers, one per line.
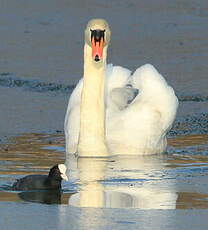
(92,110)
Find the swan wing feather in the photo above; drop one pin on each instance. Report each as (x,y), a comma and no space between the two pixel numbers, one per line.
(123,97)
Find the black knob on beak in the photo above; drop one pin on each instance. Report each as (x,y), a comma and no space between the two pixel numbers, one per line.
(97,35)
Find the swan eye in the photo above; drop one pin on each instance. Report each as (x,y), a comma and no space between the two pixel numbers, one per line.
(97,35)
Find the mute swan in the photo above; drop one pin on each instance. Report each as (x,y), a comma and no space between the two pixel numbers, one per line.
(113,112)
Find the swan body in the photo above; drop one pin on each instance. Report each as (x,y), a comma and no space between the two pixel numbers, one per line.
(126,113)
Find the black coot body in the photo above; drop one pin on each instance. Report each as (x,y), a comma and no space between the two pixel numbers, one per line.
(42,182)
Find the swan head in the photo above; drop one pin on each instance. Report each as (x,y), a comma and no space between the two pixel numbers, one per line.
(97,36)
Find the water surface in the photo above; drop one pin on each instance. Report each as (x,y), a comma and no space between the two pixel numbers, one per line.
(41,61)
(176,180)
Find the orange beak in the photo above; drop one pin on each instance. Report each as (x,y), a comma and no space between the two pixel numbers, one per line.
(97,40)
(97,49)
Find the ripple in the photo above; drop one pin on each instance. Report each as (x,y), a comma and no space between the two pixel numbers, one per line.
(194,98)
(8,80)
(190,124)
(129,182)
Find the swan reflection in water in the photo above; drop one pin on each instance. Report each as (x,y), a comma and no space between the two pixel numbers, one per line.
(123,182)
(111,112)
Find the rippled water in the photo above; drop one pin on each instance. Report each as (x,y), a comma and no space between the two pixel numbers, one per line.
(176,180)
(41,61)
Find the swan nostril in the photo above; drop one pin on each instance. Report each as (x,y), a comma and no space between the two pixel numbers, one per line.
(97,58)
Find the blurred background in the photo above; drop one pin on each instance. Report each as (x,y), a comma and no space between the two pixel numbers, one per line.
(42,53)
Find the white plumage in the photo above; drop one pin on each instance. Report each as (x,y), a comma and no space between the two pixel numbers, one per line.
(139,111)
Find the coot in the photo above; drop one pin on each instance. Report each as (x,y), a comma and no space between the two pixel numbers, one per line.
(40,182)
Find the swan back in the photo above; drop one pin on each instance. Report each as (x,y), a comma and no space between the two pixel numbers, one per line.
(142,123)
(155,92)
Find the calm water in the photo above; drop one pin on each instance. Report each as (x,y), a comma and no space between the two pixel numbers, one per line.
(41,61)
(136,192)
(176,180)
